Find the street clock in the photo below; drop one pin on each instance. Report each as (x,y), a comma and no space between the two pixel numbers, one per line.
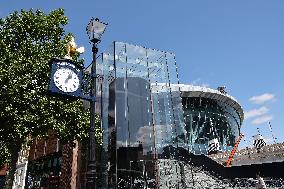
(65,78)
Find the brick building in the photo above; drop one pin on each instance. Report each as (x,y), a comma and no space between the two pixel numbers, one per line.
(3,172)
(53,165)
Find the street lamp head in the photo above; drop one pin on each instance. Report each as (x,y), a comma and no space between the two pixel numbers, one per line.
(95,30)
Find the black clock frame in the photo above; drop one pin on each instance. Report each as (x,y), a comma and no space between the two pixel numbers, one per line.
(56,64)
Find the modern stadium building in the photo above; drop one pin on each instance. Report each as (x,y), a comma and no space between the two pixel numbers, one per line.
(152,124)
(155,132)
(210,114)
(153,128)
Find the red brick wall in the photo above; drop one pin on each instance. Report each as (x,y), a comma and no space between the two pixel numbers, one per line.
(51,144)
(66,166)
(3,170)
(43,146)
(32,151)
(40,148)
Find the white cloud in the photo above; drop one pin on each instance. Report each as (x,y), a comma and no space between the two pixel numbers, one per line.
(256,112)
(262,119)
(262,98)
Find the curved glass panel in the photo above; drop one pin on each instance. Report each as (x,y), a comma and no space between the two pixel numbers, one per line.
(207,119)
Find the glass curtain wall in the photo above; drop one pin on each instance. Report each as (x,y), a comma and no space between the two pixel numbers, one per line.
(208,119)
(141,116)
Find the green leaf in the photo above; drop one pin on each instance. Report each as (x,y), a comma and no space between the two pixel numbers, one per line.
(28,40)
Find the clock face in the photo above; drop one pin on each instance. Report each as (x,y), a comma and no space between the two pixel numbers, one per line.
(66,80)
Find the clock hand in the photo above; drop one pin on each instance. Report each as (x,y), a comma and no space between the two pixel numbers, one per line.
(69,77)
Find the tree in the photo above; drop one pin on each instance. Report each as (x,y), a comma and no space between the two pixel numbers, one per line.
(28,40)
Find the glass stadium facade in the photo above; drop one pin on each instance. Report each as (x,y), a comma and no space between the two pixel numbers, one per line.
(208,118)
(151,123)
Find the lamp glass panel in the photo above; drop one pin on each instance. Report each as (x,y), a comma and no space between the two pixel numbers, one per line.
(96,29)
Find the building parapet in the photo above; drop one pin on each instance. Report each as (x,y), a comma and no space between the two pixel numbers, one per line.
(246,156)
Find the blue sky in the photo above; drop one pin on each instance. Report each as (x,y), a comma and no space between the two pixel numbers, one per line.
(237,44)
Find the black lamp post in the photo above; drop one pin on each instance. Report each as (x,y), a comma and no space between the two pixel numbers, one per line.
(94,29)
